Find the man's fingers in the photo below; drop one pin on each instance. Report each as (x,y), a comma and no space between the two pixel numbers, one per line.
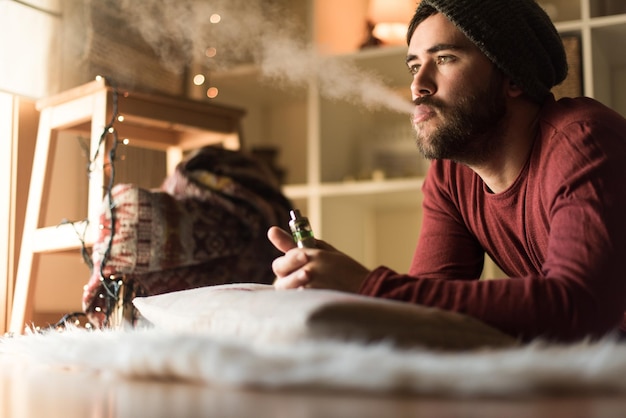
(281,239)
(290,262)
(295,280)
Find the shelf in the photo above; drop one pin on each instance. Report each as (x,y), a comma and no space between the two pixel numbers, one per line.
(573,27)
(562,10)
(607,67)
(248,85)
(374,227)
(367,188)
(606,7)
(276,114)
(354,189)
(607,20)
(388,62)
(603,35)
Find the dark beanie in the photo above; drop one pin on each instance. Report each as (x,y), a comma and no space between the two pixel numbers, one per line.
(516,35)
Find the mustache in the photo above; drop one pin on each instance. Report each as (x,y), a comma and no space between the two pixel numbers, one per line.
(429,101)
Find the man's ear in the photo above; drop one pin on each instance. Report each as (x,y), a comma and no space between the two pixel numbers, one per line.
(513,90)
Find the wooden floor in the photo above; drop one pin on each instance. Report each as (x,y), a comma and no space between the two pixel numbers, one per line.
(42,392)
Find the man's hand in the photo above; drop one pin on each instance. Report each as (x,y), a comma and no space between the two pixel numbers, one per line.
(322,267)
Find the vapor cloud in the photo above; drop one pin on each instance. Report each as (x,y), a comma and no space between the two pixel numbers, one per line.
(258,31)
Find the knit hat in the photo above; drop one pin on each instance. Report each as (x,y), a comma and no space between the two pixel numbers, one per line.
(516,35)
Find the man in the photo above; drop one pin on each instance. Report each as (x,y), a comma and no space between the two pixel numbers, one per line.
(538,184)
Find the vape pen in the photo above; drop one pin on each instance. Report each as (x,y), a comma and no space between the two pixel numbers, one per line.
(301,230)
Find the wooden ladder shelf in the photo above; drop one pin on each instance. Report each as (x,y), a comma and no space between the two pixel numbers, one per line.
(151,121)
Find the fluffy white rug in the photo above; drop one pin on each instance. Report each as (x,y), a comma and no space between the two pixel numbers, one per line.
(153,353)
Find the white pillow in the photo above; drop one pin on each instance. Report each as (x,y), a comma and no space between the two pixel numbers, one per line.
(258,312)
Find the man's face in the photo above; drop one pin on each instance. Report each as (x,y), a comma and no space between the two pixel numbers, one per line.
(458,93)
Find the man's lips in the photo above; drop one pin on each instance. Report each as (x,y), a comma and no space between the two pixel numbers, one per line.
(422,113)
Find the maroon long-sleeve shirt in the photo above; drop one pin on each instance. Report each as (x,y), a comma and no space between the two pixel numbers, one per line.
(559,233)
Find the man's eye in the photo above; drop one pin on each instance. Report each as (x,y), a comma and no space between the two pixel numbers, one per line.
(444,59)
(414,69)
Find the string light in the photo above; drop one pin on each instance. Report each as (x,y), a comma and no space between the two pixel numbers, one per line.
(111,287)
(199,79)
(212,92)
(210,52)
(215,18)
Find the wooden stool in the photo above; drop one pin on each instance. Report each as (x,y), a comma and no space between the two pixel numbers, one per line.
(151,121)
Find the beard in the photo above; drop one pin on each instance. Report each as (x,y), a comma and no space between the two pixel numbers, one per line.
(471,126)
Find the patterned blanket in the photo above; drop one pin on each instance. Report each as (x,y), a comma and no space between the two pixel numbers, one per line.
(206,225)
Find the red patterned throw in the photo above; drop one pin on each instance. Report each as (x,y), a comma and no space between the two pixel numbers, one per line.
(205,226)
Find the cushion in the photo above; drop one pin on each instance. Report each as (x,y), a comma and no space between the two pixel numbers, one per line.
(259,312)
(155,231)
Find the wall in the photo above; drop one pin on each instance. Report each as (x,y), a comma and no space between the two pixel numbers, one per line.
(18,129)
(33,57)
(6,209)
(32,49)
